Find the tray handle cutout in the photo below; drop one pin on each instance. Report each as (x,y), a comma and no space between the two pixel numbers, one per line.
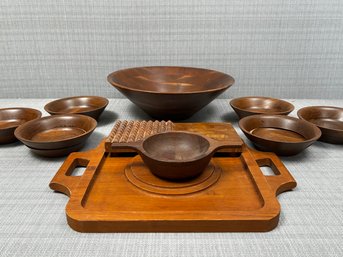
(281,180)
(64,180)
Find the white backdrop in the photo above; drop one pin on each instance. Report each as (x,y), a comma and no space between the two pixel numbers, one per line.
(286,49)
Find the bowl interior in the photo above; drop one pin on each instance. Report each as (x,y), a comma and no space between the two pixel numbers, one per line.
(277,128)
(13,117)
(172,80)
(56,128)
(176,146)
(79,104)
(262,105)
(323,116)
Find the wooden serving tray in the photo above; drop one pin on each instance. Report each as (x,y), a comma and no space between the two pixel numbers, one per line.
(117,193)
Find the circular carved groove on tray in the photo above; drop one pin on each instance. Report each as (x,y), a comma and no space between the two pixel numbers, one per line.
(140,176)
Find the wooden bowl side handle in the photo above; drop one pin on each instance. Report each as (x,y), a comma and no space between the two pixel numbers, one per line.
(216,145)
(282,180)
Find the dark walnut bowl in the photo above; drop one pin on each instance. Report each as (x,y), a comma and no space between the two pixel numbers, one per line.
(56,132)
(251,105)
(170,92)
(11,118)
(280,134)
(91,106)
(328,118)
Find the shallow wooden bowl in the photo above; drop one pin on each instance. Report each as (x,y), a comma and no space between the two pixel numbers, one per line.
(280,134)
(55,132)
(170,92)
(328,118)
(251,105)
(91,106)
(11,118)
(175,155)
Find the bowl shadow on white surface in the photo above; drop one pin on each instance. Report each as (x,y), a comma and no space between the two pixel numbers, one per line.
(204,115)
(137,113)
(325,145)
(313,151)
(230,116)
(300,157)
(93,141)
(47,159)
(106,118)
(11,145)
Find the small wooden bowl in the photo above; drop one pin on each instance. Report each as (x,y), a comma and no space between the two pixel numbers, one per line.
(328,118)
(11,118)
(251,105)
(175,155)
(56,132)
(91,106)
(280,134)
(167,92)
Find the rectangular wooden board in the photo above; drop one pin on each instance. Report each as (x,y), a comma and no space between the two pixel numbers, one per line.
(128,131)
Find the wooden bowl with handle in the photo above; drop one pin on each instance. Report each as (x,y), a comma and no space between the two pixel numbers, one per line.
(175,155)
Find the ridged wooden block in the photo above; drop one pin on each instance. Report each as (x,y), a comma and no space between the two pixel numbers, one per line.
(132,131)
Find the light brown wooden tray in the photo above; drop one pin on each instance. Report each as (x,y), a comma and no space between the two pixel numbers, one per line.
(117,193)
